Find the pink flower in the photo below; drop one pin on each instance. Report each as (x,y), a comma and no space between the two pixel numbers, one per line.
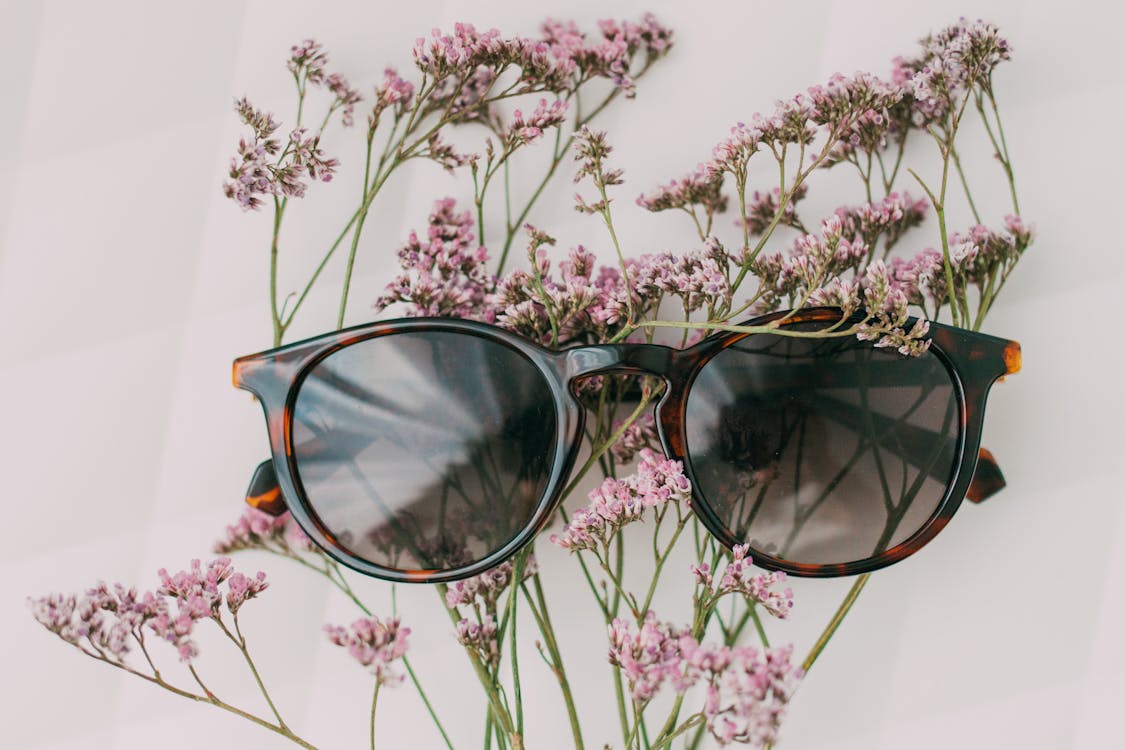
(376,644)
(649,656)
(444,274)
(700,187)
(640,434)
(747,697)
(485,589)
(617,503)
(523,130)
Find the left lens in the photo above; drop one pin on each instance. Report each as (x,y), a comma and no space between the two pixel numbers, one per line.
(424,450)
(821,451)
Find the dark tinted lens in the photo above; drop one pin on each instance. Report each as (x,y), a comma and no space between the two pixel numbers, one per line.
(821,451)
(424,450)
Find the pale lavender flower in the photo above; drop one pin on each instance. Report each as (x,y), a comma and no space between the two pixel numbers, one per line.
(258,171)
(763,207)
(953,61)
(638,435)
(889,219)
(308,59)
(700,187)
(253,530)
(586,303)
(698,277)
(747,698)
(345,97)
(618,502)
(480,637)
(376,644)
(485,589)
(443,154)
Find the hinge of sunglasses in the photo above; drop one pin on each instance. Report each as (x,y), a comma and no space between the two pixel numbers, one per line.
(264,493)
(987,479)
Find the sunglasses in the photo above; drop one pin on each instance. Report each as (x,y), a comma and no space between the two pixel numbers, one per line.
(428,450)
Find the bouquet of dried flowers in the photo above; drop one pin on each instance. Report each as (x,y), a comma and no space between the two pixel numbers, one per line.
(690,676)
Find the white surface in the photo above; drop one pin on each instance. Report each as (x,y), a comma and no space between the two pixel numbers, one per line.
(128,283)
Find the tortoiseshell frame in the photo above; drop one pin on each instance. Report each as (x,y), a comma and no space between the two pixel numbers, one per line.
(974,361)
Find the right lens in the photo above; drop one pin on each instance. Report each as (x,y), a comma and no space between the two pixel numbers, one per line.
(821,451)
(424,450)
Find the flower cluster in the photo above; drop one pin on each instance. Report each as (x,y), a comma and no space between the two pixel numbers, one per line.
(583,301)
(697,188)
(738,577)
(637,436)
(851,110)
(762,210)
(444,274)
(747,691)
(257,530)
(376,644)
(952,62)
(263,168)
(813,262)
(890,219)
(523,130)
(395,93)
(557,61)
(618,502)
(107,621)
(480,638)
(485,589)
(699,278)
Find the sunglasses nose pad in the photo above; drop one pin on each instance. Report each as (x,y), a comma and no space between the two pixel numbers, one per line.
(987,479)
(264,493)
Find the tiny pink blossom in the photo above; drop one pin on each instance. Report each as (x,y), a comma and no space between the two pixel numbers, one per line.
(376,644)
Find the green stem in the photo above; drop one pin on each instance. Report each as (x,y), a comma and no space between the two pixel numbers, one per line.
(209,699)
(965,185)
(374,703)
(834,623)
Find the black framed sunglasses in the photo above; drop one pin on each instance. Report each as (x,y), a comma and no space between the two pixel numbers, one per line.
(432,449)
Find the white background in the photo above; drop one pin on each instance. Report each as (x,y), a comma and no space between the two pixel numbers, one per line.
(128,283)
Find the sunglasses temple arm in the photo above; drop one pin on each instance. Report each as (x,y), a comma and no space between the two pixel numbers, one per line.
(264,493)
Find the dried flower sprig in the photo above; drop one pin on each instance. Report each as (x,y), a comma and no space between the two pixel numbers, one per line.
(113,623)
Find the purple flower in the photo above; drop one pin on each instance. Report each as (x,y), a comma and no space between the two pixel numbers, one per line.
(257,170)
(376,644)
(698,277)
(701,187)
(637,436)
(485,589)
(345,97)
(308,59)
(480,637)
(958,58)
(763,206)
(890,219)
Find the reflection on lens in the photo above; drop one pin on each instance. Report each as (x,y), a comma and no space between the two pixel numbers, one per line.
(424,450)
(821,451)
